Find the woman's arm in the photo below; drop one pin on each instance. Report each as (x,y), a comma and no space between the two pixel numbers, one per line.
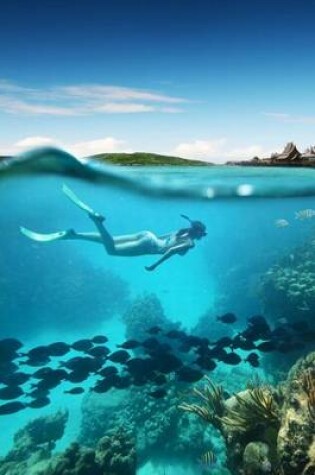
(179,249)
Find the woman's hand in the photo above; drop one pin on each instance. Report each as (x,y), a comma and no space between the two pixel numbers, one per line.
(150,268)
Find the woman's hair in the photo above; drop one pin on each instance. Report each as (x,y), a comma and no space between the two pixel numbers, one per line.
(197,228)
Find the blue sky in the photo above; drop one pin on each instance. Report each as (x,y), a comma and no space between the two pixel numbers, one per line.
(209,79)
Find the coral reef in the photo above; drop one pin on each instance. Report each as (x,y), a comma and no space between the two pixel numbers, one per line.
(143,313)
(266,429)
(160,430)
(34,443)
(114,454)
(288,287)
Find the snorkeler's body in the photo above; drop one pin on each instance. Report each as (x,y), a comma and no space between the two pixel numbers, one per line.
(139,244)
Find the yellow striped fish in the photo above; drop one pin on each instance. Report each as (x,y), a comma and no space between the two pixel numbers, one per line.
(208,459)
(305,214)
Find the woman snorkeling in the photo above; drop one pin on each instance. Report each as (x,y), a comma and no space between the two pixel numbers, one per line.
(139,244)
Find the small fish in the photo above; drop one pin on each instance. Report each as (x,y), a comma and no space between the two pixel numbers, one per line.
(11,407)
(281,223)
(98,351)
(77,390)
(208,459)
(107,371)
(227,318)
(154,330)
(10,392)
(120,356)
(267,346)
(129,345)
(82,345)
(305,214)
(99,339)
(189,375)
(58,349)
(231,359)
(253,360)
(39,402)
(158,393)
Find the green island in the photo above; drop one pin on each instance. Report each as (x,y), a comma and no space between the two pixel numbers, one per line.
(146,159)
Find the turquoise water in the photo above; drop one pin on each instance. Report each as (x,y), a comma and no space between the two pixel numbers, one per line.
(67,290)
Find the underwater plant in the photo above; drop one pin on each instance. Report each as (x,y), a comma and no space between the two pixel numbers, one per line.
(256,406)
(213,407)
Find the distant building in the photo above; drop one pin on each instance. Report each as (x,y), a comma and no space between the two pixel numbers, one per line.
(289,153)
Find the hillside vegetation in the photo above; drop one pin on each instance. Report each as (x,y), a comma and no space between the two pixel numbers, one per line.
(144,159)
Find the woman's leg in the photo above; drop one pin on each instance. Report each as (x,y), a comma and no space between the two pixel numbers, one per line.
(106,238)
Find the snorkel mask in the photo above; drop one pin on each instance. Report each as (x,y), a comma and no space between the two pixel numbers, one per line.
(198,227)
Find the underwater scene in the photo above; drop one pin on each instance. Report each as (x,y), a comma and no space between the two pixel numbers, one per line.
(156,321)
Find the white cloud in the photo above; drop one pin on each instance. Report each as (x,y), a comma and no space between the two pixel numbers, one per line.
(83,99)
(78,149)
(200,149)
(93,147)
(124,108)
(30,142)
(218,151)
(289,118)
(247,152)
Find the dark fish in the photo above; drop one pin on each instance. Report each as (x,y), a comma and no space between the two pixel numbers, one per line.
(99,339)
(10,344)
(122,382)
(205,363)
(51,380)
(120,356)
(15,379)
(11,407)
(77,376)
(42,372)
(105,384)
(76,390)
(224,342)
(189,375)
(150,343)
(141,368)
(158,393)
(108,370)
(38,393)
(227,318)
(84,364)
(243,343)
(8,367)
(58,349)
(175,334)
(39,402)
(267,346)
(231,359)
(82,345)
(154,330)
(36,362)
(11,392)
(99,351)
(38,353)
(129,345)
(258,328)
(193,341)
(168,363)
(253,360)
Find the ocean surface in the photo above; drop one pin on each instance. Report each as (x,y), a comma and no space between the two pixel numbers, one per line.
(258,220)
